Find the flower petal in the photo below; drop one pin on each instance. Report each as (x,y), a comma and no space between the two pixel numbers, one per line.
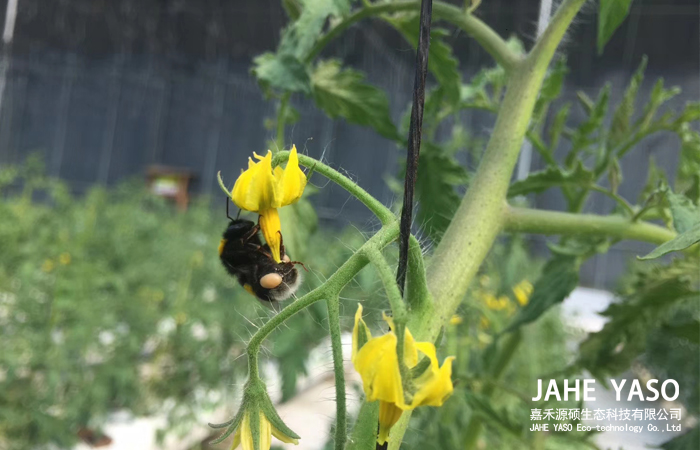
(255,188)
(290,182)
(272,231)
(265,433)
(360,333)
(236,439)
(283,437)
(410,354)
(246,433)
(378,365)
(435,384)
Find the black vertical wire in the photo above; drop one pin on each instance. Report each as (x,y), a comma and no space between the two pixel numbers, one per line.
(413,151)
(414,137)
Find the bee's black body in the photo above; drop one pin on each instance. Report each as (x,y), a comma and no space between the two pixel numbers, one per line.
(245,257)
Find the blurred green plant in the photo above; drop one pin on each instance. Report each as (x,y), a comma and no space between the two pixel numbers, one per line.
(115,301)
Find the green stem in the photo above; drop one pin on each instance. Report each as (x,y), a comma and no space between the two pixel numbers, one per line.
(525,220)
(480,216)
(387,276)
(281,122)
(482,33)
(621,201)
(341,422)
(416,293)
(330,288)
(382,212)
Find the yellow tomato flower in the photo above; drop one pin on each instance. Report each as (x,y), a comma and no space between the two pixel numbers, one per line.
(456,320)
(263,190)
(244,434)
(47,266)
(523,291)
(377,362)
(64,258)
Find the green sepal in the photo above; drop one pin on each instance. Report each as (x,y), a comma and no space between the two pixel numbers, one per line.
(221,184)
(232,425)
(271,414)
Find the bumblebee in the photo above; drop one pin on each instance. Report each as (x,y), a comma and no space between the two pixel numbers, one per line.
(246,258)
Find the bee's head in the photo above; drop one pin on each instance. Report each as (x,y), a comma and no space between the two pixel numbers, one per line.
(279,283)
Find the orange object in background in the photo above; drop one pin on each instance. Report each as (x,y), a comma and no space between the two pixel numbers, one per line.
(171,183)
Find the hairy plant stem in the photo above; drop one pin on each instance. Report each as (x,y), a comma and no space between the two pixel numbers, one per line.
(341,420)
(332,287)
(383,213)
(281,122)
(480,216)
(489,39)
(525,220)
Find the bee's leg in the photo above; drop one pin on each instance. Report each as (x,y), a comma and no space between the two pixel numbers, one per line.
(282,252)
(259,248)
(253,231)
(299,263)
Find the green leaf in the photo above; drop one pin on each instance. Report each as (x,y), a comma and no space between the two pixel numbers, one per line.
(620,125)
(483,407)
(551,177)
(292,8)
(551,88)
(441,61)
(685,214)
(559,278)
(647,300)
(284,72)
(343,93)
(558,125)
(611,14)
(689,331)
(680,242)
(686,441)
(439,175)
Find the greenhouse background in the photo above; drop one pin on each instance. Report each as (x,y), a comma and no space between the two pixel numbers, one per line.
(103,90)
(120,329)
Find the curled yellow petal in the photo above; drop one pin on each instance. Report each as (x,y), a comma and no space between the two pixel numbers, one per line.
(290,182)
(378,365)
(254,189)
(360,333)
(434,386)
(272,231)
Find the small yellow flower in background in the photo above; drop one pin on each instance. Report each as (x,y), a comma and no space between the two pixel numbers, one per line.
(377,362)
(523,291)
(244,434)
(484,323)
(263,190)
(456,320)
(64,259)
(493,303)
(47,266)
(180,318)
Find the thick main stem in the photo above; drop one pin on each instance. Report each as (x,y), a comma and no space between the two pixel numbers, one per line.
(480,216)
